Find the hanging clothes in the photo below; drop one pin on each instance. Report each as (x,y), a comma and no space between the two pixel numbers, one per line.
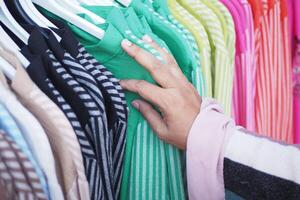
(33,131)
(198,31)
(17,172)
(222,80)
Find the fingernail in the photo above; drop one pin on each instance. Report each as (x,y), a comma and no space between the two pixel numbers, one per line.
(135,104)
(126,43)
(147,38)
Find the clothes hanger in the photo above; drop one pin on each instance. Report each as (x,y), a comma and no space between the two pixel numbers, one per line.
(7,19)
(39,16)
(23,15)
(7,68)
(53,7)
(74,7)
(9,44)
(98,3)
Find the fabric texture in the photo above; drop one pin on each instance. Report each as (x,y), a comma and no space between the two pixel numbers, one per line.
(296,70)
(238,160)
(103,141)
(222,69)
(198,31)
(10,127)
(114,98)
(17,173)
(58,129)
(205,153)
(164,168)
(36,136)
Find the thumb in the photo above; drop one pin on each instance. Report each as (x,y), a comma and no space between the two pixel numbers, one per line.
(153,117)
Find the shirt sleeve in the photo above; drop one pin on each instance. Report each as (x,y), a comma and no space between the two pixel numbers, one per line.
(221,154)
(257,167)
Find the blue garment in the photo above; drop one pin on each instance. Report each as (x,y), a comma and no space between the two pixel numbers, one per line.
(10,127)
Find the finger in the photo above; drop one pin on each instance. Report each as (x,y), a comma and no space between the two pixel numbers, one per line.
(153,117)
(171,62)
(163,52)
(146,90)
(150,63)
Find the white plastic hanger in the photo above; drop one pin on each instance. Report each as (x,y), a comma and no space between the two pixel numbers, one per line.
(53,7)
(7,19)
(98,3)
(28,6)
(37,17)
(7,68)
(8,43)
(74,7)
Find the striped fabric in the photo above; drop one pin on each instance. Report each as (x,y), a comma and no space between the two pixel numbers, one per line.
(172,159)
(251,167)
(17,172)
(89,158)
(63,140)
(198,31)
(222,69)
(142,44)
(101,183)
(8,124)
(230,39)
(230,36)
(107,80)
(285,50)
(197,76)
(32,132)
(274,77)
(294,9)
(149,167)
(104,148)
(245,69)
(117,98)
(38,142)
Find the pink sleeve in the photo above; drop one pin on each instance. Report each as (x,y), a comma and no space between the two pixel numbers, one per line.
(205,152)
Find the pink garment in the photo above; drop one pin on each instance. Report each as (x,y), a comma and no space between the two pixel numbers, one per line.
(206,144)
(296,71)
(287,70)
(244,71)
(290,4)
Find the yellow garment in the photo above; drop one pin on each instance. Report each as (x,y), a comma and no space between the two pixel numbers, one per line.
(222,69)
(199,33)
(227,25)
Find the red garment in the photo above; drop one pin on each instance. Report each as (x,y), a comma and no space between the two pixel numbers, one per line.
(273,100)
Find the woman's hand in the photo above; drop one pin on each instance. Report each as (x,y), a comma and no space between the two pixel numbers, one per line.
(176,98)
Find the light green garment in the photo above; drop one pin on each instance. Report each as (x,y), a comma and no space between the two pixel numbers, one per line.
(152,168)
(139,165)
(198,79)
(169,34)
(230,29)
(199,33)
(222,69)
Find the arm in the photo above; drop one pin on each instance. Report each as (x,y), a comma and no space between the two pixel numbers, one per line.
(219,153)
(253,167)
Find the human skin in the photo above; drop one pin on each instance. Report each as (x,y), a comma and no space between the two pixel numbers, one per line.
(176,98)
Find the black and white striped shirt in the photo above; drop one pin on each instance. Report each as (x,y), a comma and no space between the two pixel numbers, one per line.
(114,98)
